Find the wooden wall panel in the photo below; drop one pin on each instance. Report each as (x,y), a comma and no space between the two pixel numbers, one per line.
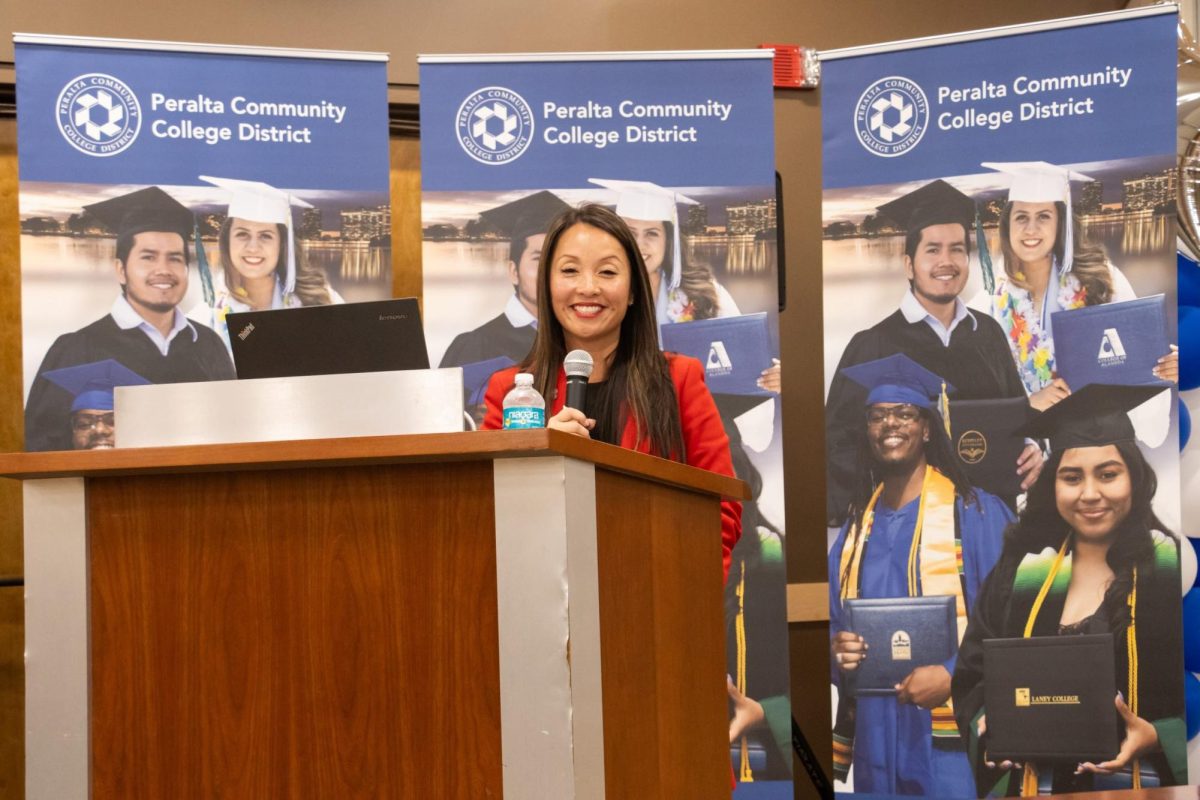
(12,604)
(406,218)
(658,641)
(244,648)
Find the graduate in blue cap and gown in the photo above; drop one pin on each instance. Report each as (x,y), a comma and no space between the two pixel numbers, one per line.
(916,528)
(92,422)
(144,329)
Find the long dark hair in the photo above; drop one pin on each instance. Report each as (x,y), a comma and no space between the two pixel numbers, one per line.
(939,454)
(1040,525)
(312,288)
(1089,262)
(639,376)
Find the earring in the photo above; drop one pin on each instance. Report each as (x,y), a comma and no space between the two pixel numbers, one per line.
(927,437)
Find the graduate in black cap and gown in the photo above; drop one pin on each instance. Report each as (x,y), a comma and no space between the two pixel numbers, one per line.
(1088,556)
(917,528)
(145,330)
(933,326)
(510,334)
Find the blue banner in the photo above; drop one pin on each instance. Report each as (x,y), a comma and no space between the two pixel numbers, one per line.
(682,146)
(1071,95)
(164,186)
(981,192)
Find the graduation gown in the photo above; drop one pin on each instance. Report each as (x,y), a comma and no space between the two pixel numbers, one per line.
(894,751)
(977,363)
(496,337)
(48,409)
(1001,613)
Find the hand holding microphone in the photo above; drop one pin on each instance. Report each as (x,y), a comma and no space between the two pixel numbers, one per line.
(572,418)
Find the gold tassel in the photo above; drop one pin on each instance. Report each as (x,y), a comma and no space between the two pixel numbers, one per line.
(744,774)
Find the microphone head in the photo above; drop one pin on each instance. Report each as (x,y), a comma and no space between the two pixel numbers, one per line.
(578,363)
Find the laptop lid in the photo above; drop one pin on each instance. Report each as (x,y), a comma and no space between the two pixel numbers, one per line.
(378,336)
(734,351)
(1051,697)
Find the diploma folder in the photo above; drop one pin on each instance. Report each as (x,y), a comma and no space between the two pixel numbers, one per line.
(1115,343)
(902,633)
(378,336)
(1051,697)
(734,351)
(984,435)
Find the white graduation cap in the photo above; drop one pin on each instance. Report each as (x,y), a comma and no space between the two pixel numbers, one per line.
(256,201)
(1042,182)
(649,201)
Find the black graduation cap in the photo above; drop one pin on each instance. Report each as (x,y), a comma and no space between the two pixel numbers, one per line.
(1094,416)
(149,209)
(935,203)
(92,384)
(527,216)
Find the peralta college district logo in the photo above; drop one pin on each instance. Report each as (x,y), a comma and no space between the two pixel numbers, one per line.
(494,125)
(98,114)
(891,116)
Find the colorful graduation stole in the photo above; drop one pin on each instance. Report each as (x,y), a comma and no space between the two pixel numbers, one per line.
(935,567)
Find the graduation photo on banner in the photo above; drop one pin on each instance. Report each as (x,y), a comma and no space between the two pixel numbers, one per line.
(680,146)
(1001,374)
(166,185)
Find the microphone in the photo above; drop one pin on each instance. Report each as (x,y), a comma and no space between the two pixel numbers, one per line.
(578,366)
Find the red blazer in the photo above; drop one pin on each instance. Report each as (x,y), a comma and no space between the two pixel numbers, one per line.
(703,434)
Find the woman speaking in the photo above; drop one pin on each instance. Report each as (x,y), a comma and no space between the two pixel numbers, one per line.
(594,295)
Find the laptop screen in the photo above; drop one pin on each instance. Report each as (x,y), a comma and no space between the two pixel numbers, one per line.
(378,336)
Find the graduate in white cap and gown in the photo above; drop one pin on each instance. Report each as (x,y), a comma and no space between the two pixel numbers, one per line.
(1049,266)
(651,212)
(261,267)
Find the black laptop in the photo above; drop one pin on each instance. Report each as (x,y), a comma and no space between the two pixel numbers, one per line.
(378,336)
(1050,697)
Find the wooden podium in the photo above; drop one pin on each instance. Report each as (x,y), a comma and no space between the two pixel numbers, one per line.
(516,614)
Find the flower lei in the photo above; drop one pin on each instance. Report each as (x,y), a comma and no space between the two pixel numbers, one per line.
(679,307)
(1032,348)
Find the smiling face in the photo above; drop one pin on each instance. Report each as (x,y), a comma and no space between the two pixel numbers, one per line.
(154,275)
(254,248)
(1093,490)
(897,433)
(589,288)
(92,429)
(1032,230)
(651,238)
(938,268)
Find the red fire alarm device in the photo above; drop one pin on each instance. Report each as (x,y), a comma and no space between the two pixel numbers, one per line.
(795,67)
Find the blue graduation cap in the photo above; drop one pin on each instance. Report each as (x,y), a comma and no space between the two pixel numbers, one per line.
(92,384)
(476,376)
(898,379)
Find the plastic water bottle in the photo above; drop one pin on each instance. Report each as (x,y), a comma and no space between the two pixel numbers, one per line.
(523,406)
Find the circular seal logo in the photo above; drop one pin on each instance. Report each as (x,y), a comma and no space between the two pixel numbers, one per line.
(494,125)
(972,447)
(891,116)
(98,114)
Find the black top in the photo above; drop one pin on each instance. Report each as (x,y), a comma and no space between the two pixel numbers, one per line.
(601,406)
